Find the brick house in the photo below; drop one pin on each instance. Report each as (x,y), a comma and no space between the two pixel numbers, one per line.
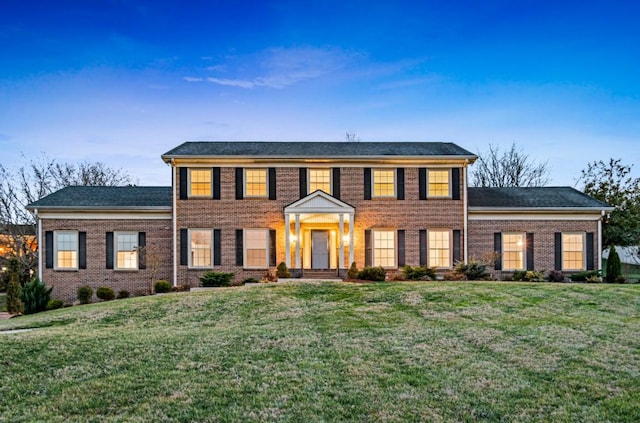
(244,207)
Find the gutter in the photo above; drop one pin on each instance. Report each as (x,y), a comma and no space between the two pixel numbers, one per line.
(174,223)
(466,212)
(39,231)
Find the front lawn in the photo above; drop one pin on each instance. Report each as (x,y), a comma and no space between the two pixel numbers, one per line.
(333,352)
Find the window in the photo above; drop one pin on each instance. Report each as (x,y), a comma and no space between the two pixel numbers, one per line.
(66,249)
(126,250)
(572,251)
(255,182)
(256,248)
(200,182)
(320,179)
(384,183)
(439,248)
(384,248)
(439,183)
(200,252)
(513,246)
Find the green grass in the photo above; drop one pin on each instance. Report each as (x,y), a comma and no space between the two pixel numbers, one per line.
(333,352)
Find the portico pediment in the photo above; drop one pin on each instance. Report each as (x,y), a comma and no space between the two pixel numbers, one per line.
(319,202)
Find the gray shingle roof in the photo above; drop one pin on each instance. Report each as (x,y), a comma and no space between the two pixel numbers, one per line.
(532,198)
(76,197)
(316,149)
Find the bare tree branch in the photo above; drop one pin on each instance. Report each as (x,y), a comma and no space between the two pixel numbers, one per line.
(513,168)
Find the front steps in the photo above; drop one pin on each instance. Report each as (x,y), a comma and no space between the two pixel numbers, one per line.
(318,274)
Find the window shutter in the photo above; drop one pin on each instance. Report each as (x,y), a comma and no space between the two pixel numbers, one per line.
(183,183)
(82,250)
(423,247)
(239,248)
(457,242)
(497,248)
(217,247)
(272,183)
(400,183)
(142,251)
(557,250)
(529,246)
(109,250)
(336,182)
(590,252)
(239,183)
(368,250)
(184,247)
(455,183)
(303,182)
(215,183)
(422,183)
(367,183)
(401,248)
(48,248)
(272,247)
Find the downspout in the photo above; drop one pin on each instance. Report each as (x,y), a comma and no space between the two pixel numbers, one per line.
(39,229)
(600,240)
(466,213)
(174,224)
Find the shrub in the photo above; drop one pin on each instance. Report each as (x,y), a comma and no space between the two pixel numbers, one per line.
(474,270)
(621,279)
(419,273)
(555,276)
(397,277)
(123,293)
(586,276)
(35,296)
(250,280)
(370,273)
(211,279)
(162,287)
(614,267)
(14,290)
(453,276)
(84,294)
(105,293)
(180,288)
(54,304)
(282,271)
(528,276)
(353,271)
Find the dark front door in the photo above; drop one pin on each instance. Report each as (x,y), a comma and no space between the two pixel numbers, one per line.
(320,249)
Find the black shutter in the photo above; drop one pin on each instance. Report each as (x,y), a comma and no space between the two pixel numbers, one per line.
(82,250)
(215,183)
(303,182)
(557,250)
(336,182)
(400,184)
(529,244)
(183,182)
(401,248)
(272,247)
(239,183)
(457,242)
(497,248)
(239,248)
(217,247)
(272,183)
(590,252)
(48,249)
(455,183)
(367,183)
(109,250)
(184,247)
(368,250)
(142,251)
(423,247)
(422,183)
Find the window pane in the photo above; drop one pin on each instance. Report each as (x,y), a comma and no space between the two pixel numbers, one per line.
(439,249)
(438,183)
(126,251)
(201,182)
(572,251)
(255,182)
(320,179)
(384,248)
(66,250)
(256,247)
(513,251)
(200,248)
(67,259)
(384,183)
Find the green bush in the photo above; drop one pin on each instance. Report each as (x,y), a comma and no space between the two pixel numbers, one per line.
(14,290)
(370,273)
(555,276)
(474,270)
(35,296)
(211,279)
(528,276)
(84,294)
(162,287)
(250,280)
(54,304)
(353,271)
(419,273)
(105,293)
(282,271)
(586,276)
(614,267)
(123,293)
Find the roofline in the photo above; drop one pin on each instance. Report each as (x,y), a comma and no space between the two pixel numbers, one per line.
(101,208)
(472,158)
(534,209)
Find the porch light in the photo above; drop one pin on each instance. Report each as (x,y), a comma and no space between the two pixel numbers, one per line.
(293,238)
(345,238)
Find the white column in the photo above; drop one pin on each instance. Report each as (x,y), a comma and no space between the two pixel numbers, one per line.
(341,242)
(351,229)
(298,241)
(287,245)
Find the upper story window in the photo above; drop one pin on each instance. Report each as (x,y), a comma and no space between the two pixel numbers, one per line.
(439,248)
(320,179)
(199,182)
(126,250)
(200,251)
(513,246)
(573,246)
(255,182)
(256,248)
(438,183)
(384,248)
(384,182)
(66,250)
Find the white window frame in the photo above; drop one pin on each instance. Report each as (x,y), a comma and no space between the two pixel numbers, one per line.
(191,195)
(395,247)
(450,232)
(115,250)
(448,171)
(322,169)
(584,251)
(55,250)
(523,251)
(190,250)
(373,182)
(266,182)
(245,260)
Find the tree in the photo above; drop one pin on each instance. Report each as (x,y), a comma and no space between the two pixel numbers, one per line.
(512,168)
(614,267)
(611,182)
(14,290)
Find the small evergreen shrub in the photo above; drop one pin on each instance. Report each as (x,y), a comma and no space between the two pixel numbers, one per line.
(215,279)
(555,276)
(35,296)
(371,273)
(614,266)
(54,304)
(528,276)
(105,293)
(123,293)
(84,294)
(474,270)
(353,271)
(586,276)
(14,290)
(282,271)
(419,273)
(162,287)
(250,280)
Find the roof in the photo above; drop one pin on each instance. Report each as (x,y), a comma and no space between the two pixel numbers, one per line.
(89,197)
(306,149)
(532,198)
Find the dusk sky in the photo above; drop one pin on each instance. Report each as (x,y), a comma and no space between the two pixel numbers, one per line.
(124,81)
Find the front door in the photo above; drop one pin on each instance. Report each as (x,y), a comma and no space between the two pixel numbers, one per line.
(319,249)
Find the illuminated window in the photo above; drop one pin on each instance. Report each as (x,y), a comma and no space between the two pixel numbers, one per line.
(255,182)
(320,179)
(439,249)
(66,249)
(126,250)
(200,242)
(200,182)
(513,246)
(384,182)
(438,183)
(256,248)
(572,251)
(384,248)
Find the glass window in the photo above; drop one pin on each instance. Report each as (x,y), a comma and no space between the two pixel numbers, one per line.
(200,242)
(513,246)
(384,248)
(439,249)
(255,182)
(320,179)
(200,182)
(438,183)
(572,251)
(255,248)
(384,184)
(126,250)
(66,250)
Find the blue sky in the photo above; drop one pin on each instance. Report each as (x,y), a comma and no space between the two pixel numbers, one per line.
(123,81)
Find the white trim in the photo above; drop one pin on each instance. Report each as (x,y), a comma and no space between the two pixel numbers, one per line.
(40,245)
(190,251)
(465,205)
(600,240)
(199,168)
(55,250)
(266,182)
(333,205)
(174,222)
(108,215)
(352,161)
(115,250)
(450,232)
(450,188)
(373,183)
(395,247)
(571,216)
(523,250)
(330,179)
(584,250)
(244,248)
